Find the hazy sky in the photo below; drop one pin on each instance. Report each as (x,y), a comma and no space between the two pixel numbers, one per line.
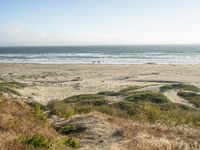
(83,22)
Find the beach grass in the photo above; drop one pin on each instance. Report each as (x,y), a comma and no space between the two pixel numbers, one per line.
(9,87)
(147,106)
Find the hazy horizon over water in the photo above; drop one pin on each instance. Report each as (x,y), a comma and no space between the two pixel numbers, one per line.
(137,54)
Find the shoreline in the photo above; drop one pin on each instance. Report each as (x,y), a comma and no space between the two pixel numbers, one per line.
(101,63)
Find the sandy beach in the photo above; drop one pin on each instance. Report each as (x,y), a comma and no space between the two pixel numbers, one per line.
(57,82)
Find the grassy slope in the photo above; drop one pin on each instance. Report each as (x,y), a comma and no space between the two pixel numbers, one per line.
(145,106)
(21,128)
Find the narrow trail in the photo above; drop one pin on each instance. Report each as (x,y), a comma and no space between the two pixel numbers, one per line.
(172,95)
(94,132)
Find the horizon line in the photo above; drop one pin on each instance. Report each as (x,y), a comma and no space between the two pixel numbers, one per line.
(88,45)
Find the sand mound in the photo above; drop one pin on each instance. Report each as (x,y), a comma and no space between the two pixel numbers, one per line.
(94,132)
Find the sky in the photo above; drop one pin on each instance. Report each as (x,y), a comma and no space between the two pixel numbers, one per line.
(99,22)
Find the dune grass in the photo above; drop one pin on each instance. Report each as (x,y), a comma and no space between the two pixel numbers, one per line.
(185,87)
(9,87)
(144,106)
(72,142)
(36,141)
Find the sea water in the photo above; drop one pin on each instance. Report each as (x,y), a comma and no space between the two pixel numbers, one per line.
(137,54)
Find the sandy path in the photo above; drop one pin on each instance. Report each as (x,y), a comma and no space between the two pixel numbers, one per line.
(172,95)
(95,132)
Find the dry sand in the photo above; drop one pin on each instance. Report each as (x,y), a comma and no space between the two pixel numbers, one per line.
(56,82)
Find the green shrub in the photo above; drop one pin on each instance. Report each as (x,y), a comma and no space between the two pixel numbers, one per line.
(180,87)
(72,142)
(150,96)
(36,141)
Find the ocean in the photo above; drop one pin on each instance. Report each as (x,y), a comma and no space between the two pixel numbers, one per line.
(138,54)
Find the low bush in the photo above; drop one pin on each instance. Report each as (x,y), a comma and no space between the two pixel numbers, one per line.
(72,142)
(36,141)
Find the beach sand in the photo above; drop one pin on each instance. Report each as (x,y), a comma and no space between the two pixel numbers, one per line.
(57,82)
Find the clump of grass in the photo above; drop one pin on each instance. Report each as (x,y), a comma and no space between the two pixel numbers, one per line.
(40,113)
(8,87)
(185,87)
(191,97)
(36,141)
(72,142)
(71,129)
(61,109)
(151,96)
(67,129)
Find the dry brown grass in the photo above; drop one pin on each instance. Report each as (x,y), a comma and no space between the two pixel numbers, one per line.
(157,136)
(18,119)
(144,136)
